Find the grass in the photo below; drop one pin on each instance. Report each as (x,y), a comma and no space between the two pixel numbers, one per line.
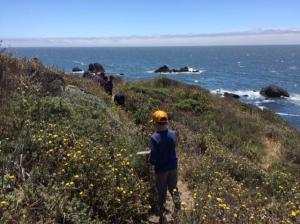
(69,156)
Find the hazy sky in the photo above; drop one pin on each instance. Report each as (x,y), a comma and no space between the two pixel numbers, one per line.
(119,18)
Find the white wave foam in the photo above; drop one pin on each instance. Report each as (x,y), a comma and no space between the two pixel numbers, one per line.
(79,62)
(293,68)
(183,73)
(150,71)
(243,93)
(255,95)
(239,65)
(79,74)
(261,107)
(294,98)
(268,100)
(290,115)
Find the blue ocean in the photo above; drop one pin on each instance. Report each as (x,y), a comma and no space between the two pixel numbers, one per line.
(243,70)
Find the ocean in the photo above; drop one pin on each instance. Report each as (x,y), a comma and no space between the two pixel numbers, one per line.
(243,70)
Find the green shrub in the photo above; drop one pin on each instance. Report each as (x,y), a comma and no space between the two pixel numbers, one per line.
(189,105)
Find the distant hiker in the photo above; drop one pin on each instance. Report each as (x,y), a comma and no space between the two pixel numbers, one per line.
(108,86)
(97,77)
(119,99)
(86,75)
(102,81)
(163,157)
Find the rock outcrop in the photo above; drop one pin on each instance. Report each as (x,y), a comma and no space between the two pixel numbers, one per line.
(76,69)
(274,91)
(235,96)
(96,67)
(166,69)
(163,69)
(185,69)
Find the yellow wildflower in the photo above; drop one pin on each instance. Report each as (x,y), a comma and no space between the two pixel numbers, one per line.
(195,195)
(4,203)
(183,203)
(293,213)
(70,184)
(219,199)
(11,177)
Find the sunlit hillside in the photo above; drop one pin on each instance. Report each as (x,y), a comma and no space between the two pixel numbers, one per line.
(68,153)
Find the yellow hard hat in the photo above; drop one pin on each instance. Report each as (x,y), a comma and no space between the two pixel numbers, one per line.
(160,117)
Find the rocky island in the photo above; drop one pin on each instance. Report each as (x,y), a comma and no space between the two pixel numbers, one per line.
(185,69)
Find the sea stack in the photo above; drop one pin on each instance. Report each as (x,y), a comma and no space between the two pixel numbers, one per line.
(163,69)
(274,91)
(96,67)
(76,69)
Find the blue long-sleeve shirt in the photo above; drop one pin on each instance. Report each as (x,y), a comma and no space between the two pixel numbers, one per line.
(163,150)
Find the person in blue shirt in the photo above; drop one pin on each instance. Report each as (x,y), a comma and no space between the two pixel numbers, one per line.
(163,157)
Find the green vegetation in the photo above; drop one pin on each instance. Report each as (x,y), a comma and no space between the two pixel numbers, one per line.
(68,154)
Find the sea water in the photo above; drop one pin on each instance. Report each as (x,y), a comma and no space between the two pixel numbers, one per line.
(242,70)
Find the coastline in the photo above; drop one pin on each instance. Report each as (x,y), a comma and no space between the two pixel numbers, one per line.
(233,69)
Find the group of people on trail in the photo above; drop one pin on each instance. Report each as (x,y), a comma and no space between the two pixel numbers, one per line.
(106,83)
(163,149)
(163,157)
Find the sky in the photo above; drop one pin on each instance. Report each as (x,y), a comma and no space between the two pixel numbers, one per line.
(61,19)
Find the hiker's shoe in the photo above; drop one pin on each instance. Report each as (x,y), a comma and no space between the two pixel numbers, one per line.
(177,206)
(163,219)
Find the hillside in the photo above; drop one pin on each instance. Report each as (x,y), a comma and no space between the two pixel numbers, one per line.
(68,153)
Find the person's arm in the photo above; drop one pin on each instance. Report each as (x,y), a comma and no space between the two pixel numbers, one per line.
(153,152)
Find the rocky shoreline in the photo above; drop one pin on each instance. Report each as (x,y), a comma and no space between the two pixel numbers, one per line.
(270,91)
(166,69)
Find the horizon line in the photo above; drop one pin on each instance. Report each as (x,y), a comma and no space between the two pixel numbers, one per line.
(240,38)
(158,46)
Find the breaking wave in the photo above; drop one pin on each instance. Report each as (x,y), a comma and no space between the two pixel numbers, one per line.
(79,62)
(256,98)
(286,114)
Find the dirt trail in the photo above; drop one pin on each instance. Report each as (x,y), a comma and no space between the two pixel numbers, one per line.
(272,150)
(187,203)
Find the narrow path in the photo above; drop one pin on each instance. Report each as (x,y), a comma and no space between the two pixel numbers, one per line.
(187,203)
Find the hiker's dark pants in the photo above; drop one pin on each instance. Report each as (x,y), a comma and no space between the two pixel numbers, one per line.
(167,181)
